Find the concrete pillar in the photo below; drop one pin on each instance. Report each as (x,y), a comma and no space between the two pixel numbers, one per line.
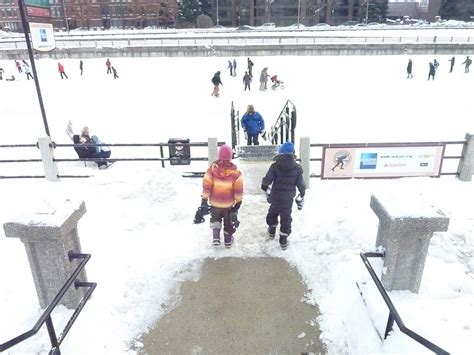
(305,156)
(212,150)
(47,155)
(405,230)
(48,236)
(466,163)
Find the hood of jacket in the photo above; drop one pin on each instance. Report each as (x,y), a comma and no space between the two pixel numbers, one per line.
(224,169)
(285,162)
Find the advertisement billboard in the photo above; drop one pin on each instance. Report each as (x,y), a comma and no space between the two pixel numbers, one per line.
(42,36)
(37,8)
(381,161)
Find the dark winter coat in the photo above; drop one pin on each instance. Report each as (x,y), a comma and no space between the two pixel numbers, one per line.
(247,79)
(252,123)
(409,66)
(285,175)
(216,79)
(83,151)
(432,69)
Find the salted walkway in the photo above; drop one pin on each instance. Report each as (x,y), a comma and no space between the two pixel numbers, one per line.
(248,305)
(239,306)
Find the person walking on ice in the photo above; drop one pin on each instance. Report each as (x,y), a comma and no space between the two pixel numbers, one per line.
(223,189)
(247,80)
(284,176)
(230,67)
(81,66)
(61,71)
(235,67)
(253,125)
(409,69)
(216,80)
(467,63)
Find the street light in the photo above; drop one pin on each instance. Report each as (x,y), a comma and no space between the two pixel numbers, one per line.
(299,5)
(217,12)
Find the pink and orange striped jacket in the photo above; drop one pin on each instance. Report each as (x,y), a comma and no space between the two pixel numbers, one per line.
(223,184)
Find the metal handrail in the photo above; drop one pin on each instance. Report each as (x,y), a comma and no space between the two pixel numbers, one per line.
(393,314)
(284,120)
(46,316)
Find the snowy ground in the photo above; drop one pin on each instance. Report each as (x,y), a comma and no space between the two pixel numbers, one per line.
(138,222)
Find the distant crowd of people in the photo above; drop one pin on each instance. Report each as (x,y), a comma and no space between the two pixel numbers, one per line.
(434,65)
(24,68)
(247,78)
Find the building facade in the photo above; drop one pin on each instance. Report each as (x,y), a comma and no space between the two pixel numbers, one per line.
(71,14)
(234,13)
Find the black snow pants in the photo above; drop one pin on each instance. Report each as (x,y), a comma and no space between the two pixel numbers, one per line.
(282,210)
(219,214)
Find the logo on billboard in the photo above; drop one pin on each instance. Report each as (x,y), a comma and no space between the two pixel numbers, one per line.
(341,158)
(368,161)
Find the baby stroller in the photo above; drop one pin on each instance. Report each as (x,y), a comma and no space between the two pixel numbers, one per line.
(276,83)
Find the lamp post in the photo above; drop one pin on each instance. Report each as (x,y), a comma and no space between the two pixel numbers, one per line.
(65,16)
(299,7)
(26,30)
(217,12)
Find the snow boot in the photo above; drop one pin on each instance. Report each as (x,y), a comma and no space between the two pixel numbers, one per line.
(284,241)
(271,232)
(228,240)
(216,237)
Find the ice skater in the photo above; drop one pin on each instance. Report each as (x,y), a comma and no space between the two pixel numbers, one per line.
(452,60)
(27,71)
(230,66)
(18,66)
(115,73)
(467,64)
(235,67)
(263,79)
(409,69)
(216,81)
(340,162)
(249,67)
(61,71)
(109,66)
(253,125)
(247,80)
(81,66)
(432,72)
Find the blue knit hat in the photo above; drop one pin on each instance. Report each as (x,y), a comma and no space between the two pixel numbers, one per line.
(287,148)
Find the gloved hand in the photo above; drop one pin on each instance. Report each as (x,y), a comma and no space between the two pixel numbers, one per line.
(199,216)
(205,208)
(236,207)
(268,194)
(234,219)
(299,202)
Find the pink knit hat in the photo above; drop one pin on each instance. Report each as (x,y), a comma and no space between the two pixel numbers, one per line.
(225,152)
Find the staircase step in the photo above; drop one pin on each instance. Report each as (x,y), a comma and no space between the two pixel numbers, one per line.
(257,152)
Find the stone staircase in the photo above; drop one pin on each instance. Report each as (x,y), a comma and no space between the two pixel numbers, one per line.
(257,152)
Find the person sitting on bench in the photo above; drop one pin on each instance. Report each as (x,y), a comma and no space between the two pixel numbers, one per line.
(87,152)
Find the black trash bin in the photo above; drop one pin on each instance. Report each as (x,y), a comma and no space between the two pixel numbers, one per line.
(180,154)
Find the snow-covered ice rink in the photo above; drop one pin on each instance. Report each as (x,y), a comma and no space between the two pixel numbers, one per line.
(138,225)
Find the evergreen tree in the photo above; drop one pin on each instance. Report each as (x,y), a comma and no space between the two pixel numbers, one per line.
(375,10)
(189,10)
(449,9)
(457,9)
(205,7)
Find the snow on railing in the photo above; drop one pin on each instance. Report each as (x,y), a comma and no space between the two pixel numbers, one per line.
(200,41)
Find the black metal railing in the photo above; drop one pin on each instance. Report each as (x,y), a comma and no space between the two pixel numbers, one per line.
(393,314)
(284,128)
(46,316)
(322,147)
(161,155)
(234,126)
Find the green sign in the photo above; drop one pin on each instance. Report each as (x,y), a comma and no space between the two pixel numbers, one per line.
(37,8)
